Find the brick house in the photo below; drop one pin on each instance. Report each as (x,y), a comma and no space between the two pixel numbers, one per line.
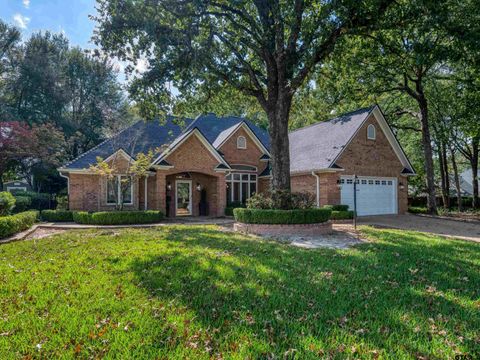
(204,164)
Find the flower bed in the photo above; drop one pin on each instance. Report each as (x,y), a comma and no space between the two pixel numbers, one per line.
(117,217)
(12,224)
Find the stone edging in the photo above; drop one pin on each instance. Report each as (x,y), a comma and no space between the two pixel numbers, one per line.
(284,229)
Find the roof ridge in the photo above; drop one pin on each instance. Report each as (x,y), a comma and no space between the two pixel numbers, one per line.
(370,108)
(100,144)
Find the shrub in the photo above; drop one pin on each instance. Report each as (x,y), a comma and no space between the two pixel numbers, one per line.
(7,203)
(272,216)
(39,201)
(22,203)
(231,206)
(62,202)
(57,215)
(417,210)
(117,217)
(281,199)
(13,224)
(336,207)
(342,215)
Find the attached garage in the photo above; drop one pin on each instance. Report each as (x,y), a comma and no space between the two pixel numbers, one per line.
(375,195)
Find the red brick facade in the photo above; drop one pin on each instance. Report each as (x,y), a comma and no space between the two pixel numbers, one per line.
(193,160)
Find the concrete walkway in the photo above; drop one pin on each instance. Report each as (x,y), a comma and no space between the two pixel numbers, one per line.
(433,225)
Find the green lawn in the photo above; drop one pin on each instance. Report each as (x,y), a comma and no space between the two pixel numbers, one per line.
(196,292)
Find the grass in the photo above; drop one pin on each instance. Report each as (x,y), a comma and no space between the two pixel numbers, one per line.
(196,292)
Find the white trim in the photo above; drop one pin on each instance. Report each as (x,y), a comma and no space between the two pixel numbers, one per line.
(374,136)
(22,188)
(68,182)
(317,178)
(309,172)
(119,179)
(163,167)
(77,171)
(146,194)
(189,182)
(120,152)
(202,139)
(250,133)
(377,113)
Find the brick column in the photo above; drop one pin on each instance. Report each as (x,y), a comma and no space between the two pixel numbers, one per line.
(221,195)
(160,193)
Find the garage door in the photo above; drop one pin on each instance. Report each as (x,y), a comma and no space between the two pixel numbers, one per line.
(375,196)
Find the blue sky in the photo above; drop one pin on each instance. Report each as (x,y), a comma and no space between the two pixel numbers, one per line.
(68,16)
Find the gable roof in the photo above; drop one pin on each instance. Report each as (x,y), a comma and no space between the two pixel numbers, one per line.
(150,135)
(227,133)
(318,146)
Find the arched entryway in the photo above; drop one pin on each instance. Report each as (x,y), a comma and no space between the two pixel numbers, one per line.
(191,194)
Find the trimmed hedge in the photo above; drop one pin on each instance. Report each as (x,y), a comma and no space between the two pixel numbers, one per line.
(342,215)
(13,224)
(22,203)
(117,217)
(270,216)
(57,215)
(229,211)
(417,210)
(336,207)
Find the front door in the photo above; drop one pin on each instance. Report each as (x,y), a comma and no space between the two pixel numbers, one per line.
(183,198)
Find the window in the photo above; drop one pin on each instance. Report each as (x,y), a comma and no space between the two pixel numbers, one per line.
(371,132)
(241,142)
(349,181)
(115,187)
(240,187)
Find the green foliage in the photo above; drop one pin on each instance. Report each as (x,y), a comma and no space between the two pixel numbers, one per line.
(270,216)
(342,214)
(56,215)
(39,201)
(7,203)
(13,224)
(22,203)
(233,205)
(336,207)
(117,217)
(281,199)
(417,210)
(62,202)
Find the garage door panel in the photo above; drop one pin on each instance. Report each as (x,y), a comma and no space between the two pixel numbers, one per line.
(375,196)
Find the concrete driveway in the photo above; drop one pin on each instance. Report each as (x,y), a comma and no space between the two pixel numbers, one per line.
(438,226)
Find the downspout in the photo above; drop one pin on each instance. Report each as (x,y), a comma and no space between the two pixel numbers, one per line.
(68,187)
(318,187)
(146,193)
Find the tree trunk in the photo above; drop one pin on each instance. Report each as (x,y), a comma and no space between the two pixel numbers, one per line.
(278,115)
(474,163)
(457,180)
(447,175)
(428,155)
(441,164)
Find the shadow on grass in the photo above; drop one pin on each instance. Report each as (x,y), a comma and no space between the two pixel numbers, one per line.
(403,295)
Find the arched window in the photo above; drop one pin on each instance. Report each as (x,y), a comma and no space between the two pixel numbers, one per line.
(241,142)
(371,132)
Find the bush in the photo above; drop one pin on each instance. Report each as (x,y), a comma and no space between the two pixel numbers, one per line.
(342,215)
(281,200)
(13,224)
(62,202)
(417,210)
(22,203)
(7,203)
(271,216)
(117,217)
(336,207)
(57,215)
(39,201)
(231,206)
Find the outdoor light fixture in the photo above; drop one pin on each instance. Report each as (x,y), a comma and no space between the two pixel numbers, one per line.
(169,186)
(339,184)
(401,186)
(199,187)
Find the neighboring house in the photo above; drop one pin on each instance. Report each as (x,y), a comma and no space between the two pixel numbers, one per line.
(466,182)
(226,159)
(16,185)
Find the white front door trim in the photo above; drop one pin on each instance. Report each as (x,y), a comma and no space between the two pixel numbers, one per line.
(189,182)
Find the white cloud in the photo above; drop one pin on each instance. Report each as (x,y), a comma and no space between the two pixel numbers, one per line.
(26,3)
(21,21)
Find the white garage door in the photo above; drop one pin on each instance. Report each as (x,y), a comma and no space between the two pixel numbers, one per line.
(375,196)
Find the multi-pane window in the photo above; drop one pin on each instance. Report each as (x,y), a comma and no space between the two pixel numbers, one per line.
(240,186)
(117,187)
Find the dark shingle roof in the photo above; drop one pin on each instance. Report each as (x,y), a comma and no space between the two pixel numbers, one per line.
(140,137)
(143,136)
(316,146)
